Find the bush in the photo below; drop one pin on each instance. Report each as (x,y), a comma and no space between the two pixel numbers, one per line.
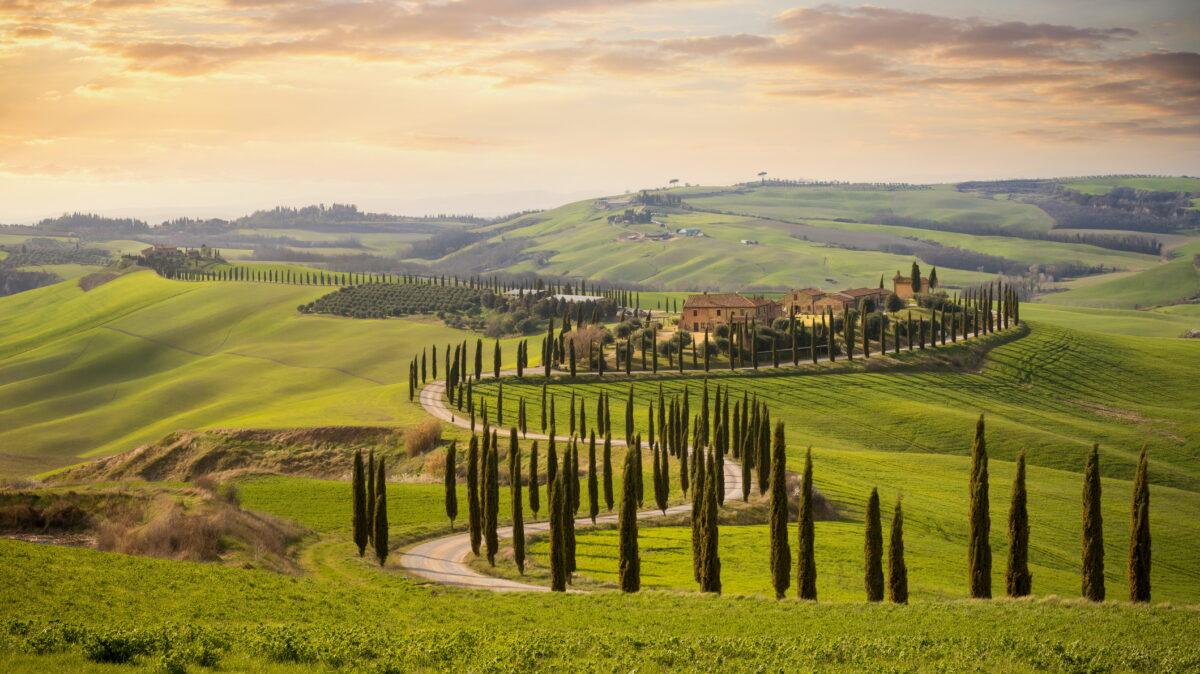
(423,437)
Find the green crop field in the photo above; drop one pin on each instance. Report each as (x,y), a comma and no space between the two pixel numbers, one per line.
(141,356)
(1161,284)
(1103,184)
(1172,321)
(942,203)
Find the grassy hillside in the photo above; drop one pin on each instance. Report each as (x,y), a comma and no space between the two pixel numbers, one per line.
(1171,321)
(1102,185)
(1163,284)
(141,356)
(942,203)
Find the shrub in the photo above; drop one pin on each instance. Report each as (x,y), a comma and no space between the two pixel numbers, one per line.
(423,437)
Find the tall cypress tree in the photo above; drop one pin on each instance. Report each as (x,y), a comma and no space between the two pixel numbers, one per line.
(593,482)
(608,476)
(1093,529)
(570,476)
(781,551)
(371,496)
(897,569)
(451,481)
(873,550)
(629,565)
(710,570)
(359,490)
(474,514)
(698,497)
(1017,578)
(1139,534)
(535,498)
(491,512)
(763,462)
(558,544)
(806,561)
(496,359)
(518,516)
(979,549)
(381,516)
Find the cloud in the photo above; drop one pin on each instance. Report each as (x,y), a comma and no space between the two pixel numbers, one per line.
(31,33)
(123,4)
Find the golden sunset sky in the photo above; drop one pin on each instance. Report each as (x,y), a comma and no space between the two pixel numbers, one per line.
(155,108)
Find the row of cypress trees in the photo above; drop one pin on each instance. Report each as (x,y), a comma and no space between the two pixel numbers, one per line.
(1018,579)
(370,519)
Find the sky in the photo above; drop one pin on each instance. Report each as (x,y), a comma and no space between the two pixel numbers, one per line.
(163,108)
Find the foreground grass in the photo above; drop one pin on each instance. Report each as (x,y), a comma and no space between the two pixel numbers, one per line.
(360,616)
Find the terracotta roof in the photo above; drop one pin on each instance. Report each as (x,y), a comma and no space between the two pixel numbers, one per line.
(863,292)
(723,300)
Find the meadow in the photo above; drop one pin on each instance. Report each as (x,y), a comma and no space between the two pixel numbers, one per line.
(142,356)
(1162,284)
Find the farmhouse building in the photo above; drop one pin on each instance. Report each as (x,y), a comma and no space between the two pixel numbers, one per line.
(902,285)
(706,312)
(159,250)
(801,301)
(877,297)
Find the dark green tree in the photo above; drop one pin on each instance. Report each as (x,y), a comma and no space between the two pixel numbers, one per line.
(608,476)
(518,515)
(381,516)
(474,495)
(873,550)
(806,561)
(1093,530)
(781,551)
(359,488)
(371,496)
(496,359)
(1018,580)
(558,543)
(629,564)
(710,568)
(699,462)
(1139,533)
(593,481)
(491,510)
(451,480)
(897,569)
(916,277)
(979,548)
(535,497)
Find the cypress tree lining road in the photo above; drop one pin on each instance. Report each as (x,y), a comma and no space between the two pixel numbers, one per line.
(444,560)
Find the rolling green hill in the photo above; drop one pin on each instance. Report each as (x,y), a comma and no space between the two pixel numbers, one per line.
(142,356)
(1163,284)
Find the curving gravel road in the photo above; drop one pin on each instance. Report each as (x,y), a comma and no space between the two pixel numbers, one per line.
(445,560)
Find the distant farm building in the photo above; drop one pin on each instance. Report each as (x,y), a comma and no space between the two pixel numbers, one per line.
(902,285)
(801,301)
(689,231)
(749,242)
(160,251)
(707,311)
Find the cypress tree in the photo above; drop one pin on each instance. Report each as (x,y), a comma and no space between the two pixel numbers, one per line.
(656,479)
(1017,579)
(710,570)
(558,545)
(806,562)
(371,496)
(381,517)
(474,515)
(608,476)
(698,496)
(491,511)
(551,463)
(637,456)
(873,550)
(979,549)
(451,480)
(535,500)
(916,278)
(496,359)
(629,565)
(359,490)
(518,516)
(897,569)
(1139,534)
(781,552)
(1093,529)
(570,478)
(593,482)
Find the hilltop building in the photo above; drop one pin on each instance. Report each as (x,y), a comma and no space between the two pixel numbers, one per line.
(902,285)
(813,301)
(160,251)
(706,312)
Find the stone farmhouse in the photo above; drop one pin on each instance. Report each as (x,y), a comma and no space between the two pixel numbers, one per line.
(707,311)
(902,285)
(813,301)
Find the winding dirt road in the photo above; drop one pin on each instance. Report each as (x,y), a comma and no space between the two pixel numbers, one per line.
(446,560)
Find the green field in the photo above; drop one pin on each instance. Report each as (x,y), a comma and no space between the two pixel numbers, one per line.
(1171,321)
(1102,185)
(142,356)
(1161,284)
